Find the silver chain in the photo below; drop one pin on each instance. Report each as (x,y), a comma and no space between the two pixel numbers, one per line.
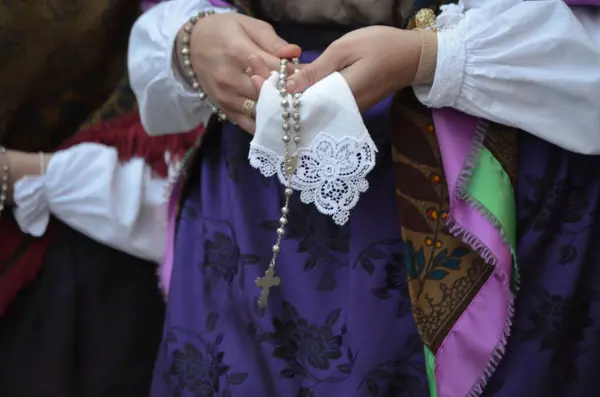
(291,121)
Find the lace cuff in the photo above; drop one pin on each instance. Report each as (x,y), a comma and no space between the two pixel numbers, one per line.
(450,69)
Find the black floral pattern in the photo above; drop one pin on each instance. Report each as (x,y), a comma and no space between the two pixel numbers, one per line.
(319,238)
(223,260)
(395,284)
(198,364)
(562,325)
(398,378)
(307,348)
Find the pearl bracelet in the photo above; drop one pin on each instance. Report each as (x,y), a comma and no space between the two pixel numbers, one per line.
(187,62)
(3,178)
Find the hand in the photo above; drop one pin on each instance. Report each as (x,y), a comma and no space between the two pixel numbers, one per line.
(375,61)
(220,47)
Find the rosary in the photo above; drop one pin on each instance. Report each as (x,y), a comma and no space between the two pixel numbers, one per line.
(290,105)
(270,280)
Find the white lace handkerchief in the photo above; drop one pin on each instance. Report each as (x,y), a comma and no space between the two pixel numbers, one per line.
(336,151)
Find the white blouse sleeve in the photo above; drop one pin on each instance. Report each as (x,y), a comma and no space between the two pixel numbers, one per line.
(118,204)
(167,104)
(534,65)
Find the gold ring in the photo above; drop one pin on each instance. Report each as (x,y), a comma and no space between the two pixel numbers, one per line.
(248,107)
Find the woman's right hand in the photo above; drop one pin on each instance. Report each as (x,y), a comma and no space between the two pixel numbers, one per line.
(220,46)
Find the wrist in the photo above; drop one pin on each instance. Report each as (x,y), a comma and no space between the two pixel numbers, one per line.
(182,63)
(21,164)
(407,58)
(427,57)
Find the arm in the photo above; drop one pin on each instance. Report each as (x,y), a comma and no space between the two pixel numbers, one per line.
(86,187)
(167,104)
(534,65)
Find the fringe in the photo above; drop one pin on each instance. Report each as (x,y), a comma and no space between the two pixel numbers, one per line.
(455,229)
(497,355)
(486,254)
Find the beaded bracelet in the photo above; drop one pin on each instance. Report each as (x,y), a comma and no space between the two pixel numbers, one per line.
(187,62)
(3,179)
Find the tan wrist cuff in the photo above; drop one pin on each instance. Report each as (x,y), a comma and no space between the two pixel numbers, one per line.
(428,61)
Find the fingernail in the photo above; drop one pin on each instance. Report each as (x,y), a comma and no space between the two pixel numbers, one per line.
(249,71)
(291,86)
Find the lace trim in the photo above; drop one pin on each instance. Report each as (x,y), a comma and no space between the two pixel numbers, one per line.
(450,69)
(330,173)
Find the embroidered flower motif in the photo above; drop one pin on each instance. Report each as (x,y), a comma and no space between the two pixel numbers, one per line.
(198,365)
(195,370)
(332,174)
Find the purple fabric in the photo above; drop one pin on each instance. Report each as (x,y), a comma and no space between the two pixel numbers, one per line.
(216,344)
(340,324)
(337,284)
(220,3)
(573,3)
(166,269)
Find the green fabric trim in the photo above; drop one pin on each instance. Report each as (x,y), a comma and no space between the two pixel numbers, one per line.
(490,185)
(430,366)
(491,190)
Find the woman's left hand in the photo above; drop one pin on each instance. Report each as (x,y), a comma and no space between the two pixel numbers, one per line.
(375,61)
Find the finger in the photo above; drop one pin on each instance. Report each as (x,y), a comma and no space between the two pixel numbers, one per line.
(288,51)
(330,61)
(259,66)
(239,106)
(232,91)
(272,61)
(257,83)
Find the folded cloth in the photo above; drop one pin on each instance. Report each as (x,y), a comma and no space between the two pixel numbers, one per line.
(335,152)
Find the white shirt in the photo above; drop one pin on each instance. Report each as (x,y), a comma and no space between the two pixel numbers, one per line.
(534,65)
(122,205)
